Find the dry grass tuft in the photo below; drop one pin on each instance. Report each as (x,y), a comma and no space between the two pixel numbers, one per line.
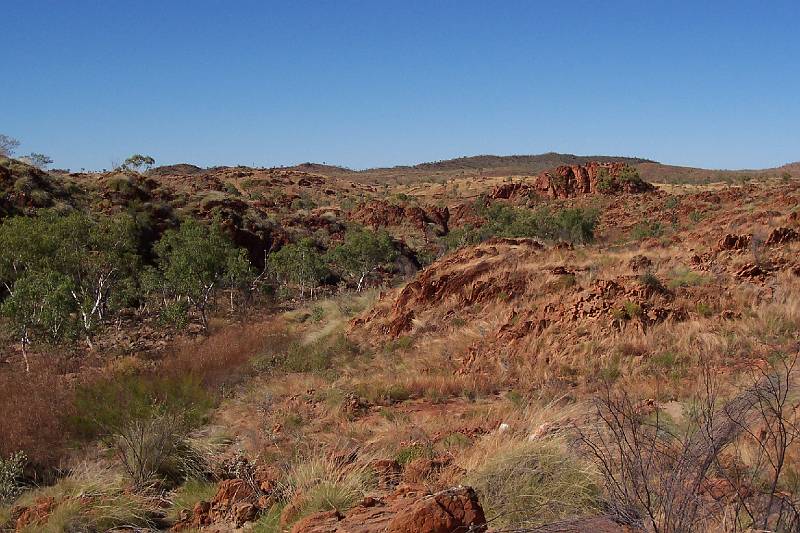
(526,474)
(323,483)
(92,498)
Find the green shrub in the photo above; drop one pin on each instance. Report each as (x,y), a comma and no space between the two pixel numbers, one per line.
(194,262)
(92,498)
(575,225)
(299,266)
(665,360)
(650,280)
(317,313)
(646,229)
(402,343)
(65,271)
(704,309)
(11,472)
(175,314)
(310,357)
(157,449)
(457,440)
(269,522)
(611,372)
(362,252)
(606,183)
(628,311)
(409,453)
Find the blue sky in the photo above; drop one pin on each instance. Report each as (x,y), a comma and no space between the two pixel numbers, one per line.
(373,83)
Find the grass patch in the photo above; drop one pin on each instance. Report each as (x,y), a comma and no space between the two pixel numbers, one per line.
(646,229)
(534,483)
(687,278)
(190,493)
(269,522)
(92,498)
(323,484)
(380,394)
(409,453)
(316,356)
(628,311)
(115,402)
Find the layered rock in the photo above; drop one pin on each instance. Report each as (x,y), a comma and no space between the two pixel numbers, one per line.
(592,178)
(409,509)
(382,214)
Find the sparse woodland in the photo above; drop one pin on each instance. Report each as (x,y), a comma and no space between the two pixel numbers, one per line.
(312,349)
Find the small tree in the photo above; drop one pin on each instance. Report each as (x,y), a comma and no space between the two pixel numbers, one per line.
(8,145)
(138,162)
(299,265)
(195,261)
(100,257)
(97,256)
(363,252)
(40,161)
(39,304)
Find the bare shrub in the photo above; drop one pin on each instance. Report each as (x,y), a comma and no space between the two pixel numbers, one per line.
(655,475)
(156,449)
(34,406)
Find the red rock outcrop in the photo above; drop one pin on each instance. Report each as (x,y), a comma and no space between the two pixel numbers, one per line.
(506,191)
(782,236)
(235,503)
(734,242)
(381,214)
(34,514)
(592,178)
(503,282)
(462,276)
(408,510)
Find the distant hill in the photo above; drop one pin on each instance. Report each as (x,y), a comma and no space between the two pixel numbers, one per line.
(513,165)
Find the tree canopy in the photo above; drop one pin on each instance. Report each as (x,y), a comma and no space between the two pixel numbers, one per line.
(193,262)
(299,265)
(362,252)
(138,162)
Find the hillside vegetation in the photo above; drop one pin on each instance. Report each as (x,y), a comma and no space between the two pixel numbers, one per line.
(531,343)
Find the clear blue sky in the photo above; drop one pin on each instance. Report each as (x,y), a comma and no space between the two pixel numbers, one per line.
(372,83)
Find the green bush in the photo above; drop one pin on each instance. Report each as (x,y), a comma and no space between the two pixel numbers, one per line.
(190,493)
(270,521)
(606,183)
(316,356)
(362,253)
(323,484)
(575,225)
(650,280)
(11,473)
(646,229)
(175,314)
(409,453)
(299,266)
(87,263)
(194,262)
